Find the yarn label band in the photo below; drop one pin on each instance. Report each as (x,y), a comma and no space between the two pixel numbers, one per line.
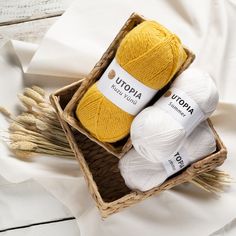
(123,90)
(182,108)
(178,162)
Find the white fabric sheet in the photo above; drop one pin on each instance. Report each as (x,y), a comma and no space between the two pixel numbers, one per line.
(70,49)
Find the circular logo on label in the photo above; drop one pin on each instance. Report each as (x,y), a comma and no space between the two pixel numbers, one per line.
(167,93)
(111,74)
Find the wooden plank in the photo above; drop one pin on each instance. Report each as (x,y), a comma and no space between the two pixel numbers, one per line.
(15,11)
(62,228)
(32,31)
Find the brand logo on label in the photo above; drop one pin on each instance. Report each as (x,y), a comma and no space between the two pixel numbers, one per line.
(111,74)
(167,93)
(179,100)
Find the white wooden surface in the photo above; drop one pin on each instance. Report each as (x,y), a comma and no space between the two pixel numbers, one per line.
(32,31)
(15,11)
(28,20)
(26,208)
(55,228)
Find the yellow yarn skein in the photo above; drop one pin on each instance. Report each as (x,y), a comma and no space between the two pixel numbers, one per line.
(152,55)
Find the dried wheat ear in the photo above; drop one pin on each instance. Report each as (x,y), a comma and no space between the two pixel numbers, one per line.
(36,130)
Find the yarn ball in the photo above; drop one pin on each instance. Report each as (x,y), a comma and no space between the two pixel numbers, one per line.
(142,174)
(152,55)
(157,134)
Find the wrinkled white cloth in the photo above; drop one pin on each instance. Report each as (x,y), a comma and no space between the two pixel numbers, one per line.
(69,50)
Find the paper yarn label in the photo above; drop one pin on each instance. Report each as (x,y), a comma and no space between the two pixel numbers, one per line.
(178,162)
(123,90)
(182,108)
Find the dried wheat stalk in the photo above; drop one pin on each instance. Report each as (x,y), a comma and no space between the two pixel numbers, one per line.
(213,181)
(38,131)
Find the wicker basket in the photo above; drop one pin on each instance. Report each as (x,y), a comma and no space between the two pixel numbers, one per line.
(121,147)
(100,167)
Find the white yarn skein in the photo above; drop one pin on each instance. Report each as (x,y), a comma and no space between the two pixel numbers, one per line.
(157,134)
(142,174)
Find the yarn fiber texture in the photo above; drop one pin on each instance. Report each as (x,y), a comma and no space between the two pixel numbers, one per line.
(156,134)
(142,174)
(152,55)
